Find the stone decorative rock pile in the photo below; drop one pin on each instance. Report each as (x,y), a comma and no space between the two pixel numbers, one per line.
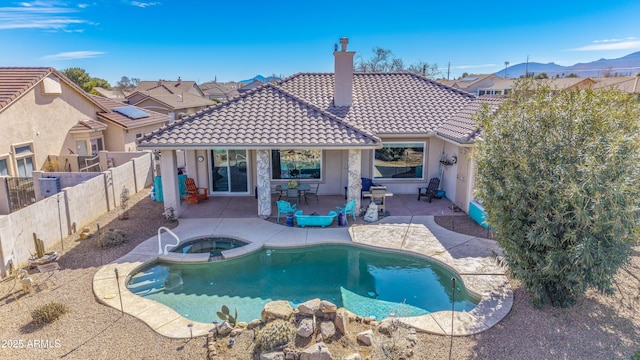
(316,320)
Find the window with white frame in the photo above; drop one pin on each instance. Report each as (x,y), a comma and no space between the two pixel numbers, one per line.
(399,160)
(24,159)
(296,164)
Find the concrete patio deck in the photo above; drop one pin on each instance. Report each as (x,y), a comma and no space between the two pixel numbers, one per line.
(469,256)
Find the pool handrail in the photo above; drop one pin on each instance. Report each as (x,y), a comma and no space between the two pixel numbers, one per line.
(160,252)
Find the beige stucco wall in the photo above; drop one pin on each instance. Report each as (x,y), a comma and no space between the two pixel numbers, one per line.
(44,120)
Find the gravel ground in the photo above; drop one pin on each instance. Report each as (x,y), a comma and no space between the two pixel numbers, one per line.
(598,327)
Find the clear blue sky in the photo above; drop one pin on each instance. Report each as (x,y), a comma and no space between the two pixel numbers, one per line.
(236,40)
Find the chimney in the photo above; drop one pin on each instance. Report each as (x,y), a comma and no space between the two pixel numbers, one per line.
(343,77)
(179,80)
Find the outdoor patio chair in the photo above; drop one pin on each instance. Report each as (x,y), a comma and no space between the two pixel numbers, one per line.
(194,193)
(349,208)
(430,190)
(285,207)
(293,194)
(313,190)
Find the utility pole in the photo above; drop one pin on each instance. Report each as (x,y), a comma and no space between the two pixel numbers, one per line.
(526,68)
(506,63)
(448,69)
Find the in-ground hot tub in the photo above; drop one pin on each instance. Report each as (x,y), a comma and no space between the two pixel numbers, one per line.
(214,245)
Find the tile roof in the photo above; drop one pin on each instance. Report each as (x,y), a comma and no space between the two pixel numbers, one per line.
(462,127)
(175,101)
(265,117)
(630,84)
(123,120)
(16,81)
(173,87)
(384,103)
(87,126)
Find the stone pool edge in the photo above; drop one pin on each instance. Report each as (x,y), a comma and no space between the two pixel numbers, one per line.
(419,234)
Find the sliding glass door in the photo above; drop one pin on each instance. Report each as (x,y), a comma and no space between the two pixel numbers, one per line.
(229,171)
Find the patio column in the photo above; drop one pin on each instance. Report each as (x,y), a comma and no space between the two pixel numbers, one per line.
(264,184)
(354,182)
(169,173)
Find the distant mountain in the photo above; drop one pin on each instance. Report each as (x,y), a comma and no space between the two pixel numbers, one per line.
(626,65)
(260,78)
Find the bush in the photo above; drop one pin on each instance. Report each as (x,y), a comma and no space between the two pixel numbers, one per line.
(48,313)
(110,238)
(275,334)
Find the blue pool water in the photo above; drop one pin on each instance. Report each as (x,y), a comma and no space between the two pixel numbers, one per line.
(208,244)
(364,281)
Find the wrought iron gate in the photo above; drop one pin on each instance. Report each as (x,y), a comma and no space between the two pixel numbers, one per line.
(21,193)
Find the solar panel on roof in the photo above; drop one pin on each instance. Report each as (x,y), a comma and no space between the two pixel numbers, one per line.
(131,112)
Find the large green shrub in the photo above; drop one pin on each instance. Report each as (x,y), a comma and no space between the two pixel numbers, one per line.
(558,173)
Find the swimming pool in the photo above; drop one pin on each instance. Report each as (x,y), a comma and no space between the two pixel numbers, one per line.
(367,282)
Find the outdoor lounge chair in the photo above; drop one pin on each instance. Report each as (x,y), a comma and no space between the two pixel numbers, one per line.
(349,208)
(194,193)
(285,207)
(430,190)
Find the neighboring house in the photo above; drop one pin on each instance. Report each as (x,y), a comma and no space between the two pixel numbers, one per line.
(220,91)
(628,84)
(473,83)
(174,98)
(332,128)
(498,87)
(115,94)
(250,86)
(43,113)
(127,123)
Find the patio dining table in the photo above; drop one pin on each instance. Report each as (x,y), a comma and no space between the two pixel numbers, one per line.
(302,189)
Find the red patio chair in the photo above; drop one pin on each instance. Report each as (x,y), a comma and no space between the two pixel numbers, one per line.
(194,193)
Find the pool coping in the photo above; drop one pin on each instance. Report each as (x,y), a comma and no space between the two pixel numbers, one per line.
(473,258)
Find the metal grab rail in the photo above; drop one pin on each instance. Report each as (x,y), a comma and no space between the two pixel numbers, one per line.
(160,252)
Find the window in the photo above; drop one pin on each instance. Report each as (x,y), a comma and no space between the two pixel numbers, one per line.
(297,164)
(4,169)
(399,160)
(138,135)
(81,148)
(24,160)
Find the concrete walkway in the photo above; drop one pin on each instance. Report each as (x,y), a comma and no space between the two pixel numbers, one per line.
(471,257)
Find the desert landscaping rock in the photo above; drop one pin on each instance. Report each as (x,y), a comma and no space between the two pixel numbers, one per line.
(274,310)
(254,324)
(342,320)
(327,329)
(305,329)
(310,307)
(353,357)
(318,351)
(327,307)
(274,355)
(366,337)
(224,329)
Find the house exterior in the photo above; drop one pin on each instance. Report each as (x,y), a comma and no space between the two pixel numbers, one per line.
(43,113)
(220,91)
(473,83)
(126,123)
(331,128)
(174,98)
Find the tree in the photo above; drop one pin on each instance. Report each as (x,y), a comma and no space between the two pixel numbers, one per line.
(559,177)
(127,84)
(383,60)
(542,75)
(81,78)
